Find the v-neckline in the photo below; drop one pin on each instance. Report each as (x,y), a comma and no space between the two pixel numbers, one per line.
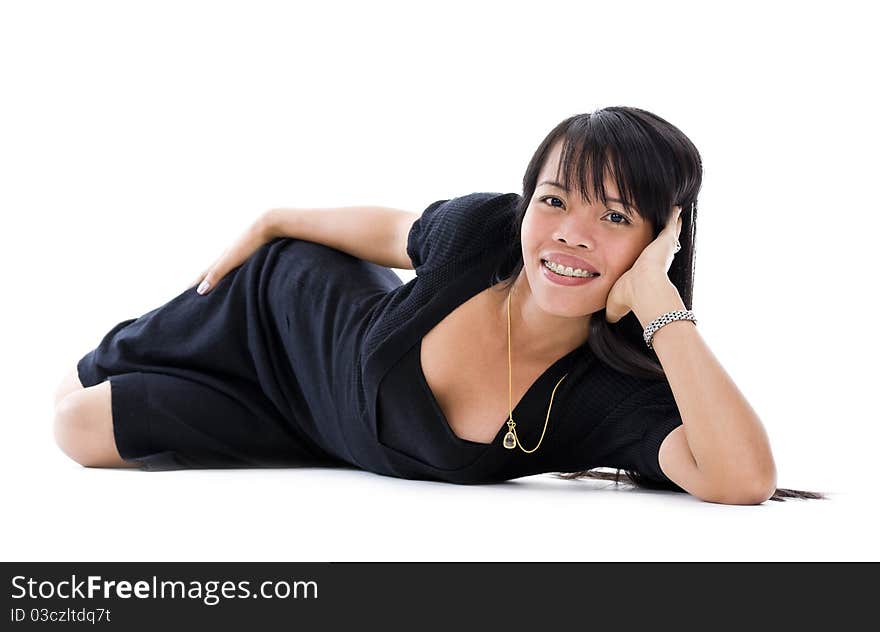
(552,370)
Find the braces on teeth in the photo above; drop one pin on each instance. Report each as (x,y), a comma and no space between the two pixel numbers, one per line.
(568,271)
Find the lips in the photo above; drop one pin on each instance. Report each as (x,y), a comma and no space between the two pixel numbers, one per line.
(569,260)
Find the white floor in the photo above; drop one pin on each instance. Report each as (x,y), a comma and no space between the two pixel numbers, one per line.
(57,510)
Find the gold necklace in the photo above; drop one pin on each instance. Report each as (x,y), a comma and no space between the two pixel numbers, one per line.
(511,440)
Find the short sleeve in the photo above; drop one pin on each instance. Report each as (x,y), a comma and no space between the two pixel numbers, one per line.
(630,437)
(460,228)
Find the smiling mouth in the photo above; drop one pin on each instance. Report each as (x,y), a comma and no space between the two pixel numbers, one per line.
(568,272)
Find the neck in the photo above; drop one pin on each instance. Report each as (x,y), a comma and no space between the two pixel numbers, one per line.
(534,333)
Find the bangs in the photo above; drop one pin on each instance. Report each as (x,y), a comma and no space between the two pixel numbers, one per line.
(590,153)
(583,166)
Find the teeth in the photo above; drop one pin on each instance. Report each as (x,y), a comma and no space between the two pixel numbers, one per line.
(568,271)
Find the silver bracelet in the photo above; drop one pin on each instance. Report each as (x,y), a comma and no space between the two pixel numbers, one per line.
(665,319)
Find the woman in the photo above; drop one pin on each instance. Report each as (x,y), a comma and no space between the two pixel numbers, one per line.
(545,332)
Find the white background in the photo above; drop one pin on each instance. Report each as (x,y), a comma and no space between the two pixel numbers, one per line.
(137,139)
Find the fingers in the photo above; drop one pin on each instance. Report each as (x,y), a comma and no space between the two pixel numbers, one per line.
(209,274)
(198,279)
(210,278)
(673,225)
(205,286)
(232,257)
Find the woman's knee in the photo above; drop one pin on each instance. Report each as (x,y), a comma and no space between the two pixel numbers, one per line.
(84,427)
(70,384)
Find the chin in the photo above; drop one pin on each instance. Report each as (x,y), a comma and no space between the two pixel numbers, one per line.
(571,302)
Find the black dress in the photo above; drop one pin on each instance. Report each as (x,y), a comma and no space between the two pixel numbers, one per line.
(305,355)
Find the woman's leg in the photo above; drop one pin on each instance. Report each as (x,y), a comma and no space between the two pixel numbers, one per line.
(84,427)
(70,384)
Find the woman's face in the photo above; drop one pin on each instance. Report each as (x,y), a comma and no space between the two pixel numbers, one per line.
(608,237)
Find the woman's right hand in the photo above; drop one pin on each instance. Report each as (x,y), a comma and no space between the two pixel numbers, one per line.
(257,234)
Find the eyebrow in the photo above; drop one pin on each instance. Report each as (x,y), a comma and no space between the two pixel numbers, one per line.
(558,185)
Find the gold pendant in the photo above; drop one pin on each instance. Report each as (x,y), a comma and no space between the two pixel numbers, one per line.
(509,440)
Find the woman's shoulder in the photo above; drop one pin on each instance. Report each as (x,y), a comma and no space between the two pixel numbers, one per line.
(460,227)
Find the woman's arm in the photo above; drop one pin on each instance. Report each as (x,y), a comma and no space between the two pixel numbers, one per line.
(730,459)
(374,233)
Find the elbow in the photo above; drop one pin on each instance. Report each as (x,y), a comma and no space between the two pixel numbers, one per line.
(754,495)
(763,484)
(764,489)
(745,490)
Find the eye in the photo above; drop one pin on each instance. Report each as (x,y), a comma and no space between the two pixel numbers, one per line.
(550,197)
(621,215)
(610,212)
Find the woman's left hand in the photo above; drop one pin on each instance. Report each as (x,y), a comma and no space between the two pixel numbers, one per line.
(652,264)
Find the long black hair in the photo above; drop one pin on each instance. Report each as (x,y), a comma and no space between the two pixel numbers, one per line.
(655,167)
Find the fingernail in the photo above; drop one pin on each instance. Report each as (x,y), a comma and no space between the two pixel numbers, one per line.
(203,287)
